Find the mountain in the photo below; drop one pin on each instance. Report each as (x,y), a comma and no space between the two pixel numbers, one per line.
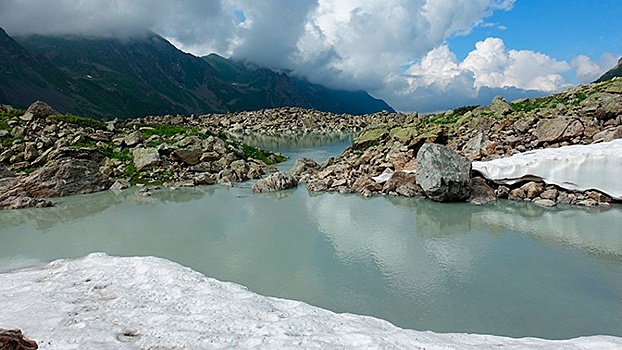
(268,89)
(613,72)
(147,75)
(26,77)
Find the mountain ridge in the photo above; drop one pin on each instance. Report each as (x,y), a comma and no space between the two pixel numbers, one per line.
(147,75)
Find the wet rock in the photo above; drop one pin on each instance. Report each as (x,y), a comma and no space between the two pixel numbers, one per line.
(403,183)
(275,182)
(532,189)
(443,174)
(120,184)
(544,202)
(13,339)
(66,177)
(481,192)
(304,166)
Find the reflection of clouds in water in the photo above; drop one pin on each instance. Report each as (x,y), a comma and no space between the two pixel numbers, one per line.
(375,231)
(591,230)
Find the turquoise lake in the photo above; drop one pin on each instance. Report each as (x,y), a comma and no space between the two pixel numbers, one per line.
(510,268)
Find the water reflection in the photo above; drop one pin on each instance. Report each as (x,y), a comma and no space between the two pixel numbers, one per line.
(508,269)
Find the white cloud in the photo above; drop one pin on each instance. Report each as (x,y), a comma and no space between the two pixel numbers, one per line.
(354,44)
(488,70)
(588,70)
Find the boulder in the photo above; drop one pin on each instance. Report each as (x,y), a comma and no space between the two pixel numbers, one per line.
(608,135)
(13,339)
(443,175)
(133,139)
(304,166)
(38,110)
(65,177)
(551,130)
(188,156)
(275,182)
(481,192)
(403,183)
(369,138)
(4,172)
(146,158)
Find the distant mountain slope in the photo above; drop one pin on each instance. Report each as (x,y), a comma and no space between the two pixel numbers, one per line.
(143,76)
(25,78)
(147,75)
(613,72)
(271,89)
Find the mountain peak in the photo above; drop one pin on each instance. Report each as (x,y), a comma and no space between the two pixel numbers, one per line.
(613,72)
(145,74)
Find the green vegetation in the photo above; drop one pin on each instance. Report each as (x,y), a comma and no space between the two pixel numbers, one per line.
(6,115)
(79,121)
(123,155)
(164,130)
(451,118)
(259,154)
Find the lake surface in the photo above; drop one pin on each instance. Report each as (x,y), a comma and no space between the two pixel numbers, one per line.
(508,269)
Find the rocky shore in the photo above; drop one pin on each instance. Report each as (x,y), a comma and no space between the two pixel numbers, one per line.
(44,154)
(386,158)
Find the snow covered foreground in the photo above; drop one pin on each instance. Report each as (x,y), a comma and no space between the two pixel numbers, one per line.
(577,167)
(104,302)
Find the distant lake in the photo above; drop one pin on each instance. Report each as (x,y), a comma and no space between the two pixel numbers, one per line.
(510,268)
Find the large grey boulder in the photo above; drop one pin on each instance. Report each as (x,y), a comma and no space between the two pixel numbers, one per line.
(444,175)
(66,177)
(61,177)
(275,182)
(146,158)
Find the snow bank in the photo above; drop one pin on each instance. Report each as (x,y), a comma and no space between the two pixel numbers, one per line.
(577,167)
(104,302)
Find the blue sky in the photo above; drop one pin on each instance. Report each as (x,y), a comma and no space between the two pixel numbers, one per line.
(418,55)
(561,29)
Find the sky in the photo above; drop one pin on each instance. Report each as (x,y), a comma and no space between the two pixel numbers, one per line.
(417,55)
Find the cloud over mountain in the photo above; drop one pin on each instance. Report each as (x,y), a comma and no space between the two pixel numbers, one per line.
(394,49)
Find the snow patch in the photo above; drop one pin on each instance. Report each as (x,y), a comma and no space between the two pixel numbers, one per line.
(104,302)
(576,168)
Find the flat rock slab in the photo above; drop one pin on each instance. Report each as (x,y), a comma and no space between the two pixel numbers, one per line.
(576,168)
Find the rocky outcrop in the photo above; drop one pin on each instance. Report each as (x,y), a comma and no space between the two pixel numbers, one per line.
(275,182)
(13,339)
(582,115)
(443,175)
(63,177)
(44,154)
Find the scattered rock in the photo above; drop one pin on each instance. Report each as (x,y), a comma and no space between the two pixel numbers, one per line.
(443,174)
(481,192)
(146,158)
(120,184)
(275,182)
(545,202)
(13,339)
(304,166)
(4,172)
